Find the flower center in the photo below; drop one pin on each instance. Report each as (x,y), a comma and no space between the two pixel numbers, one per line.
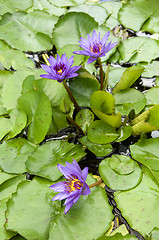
(96,47)
(73,184)
(60,68)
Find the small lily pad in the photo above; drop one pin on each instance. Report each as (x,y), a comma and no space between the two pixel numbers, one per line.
(124,132)
(84,118)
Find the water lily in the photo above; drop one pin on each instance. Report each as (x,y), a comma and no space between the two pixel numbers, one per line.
(95,47)
(60,68)
(74,186)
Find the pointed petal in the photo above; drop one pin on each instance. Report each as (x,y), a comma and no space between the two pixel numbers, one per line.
(82,52)
(52,61)
(94,36)
(91,59)
(70,61)
(46,68)
(60,196)
(85,173)
(58,187)
(65,171)
(86,190)
(77,166)
(47,76)
(105,38)
(71,75)
(68,206)
(74,69)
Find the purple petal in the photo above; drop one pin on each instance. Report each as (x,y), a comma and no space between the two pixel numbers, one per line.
(72,197)
(86,190)
(90,60)
(90,40)
(46,68)
(60,196)
(47,76)
(82,52)
(58,59)
(94,36)
(52,61)
(68,206)
(110,46)
(58,187)
(64,170)
(85,173)
(70,61)
(74,69)
(77,166)
(105,38)
(72,75)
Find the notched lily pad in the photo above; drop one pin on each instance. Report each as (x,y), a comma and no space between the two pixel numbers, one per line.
(120,172)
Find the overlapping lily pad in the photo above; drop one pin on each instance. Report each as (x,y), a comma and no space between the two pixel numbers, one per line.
(120,172)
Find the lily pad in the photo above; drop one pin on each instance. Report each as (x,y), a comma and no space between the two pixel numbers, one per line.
(28,32)
(87,214)
(33,202)
(100,150)
(129,99)
(84,118)
(152,96)
(14,5)
(43,162)
(145,151)
(139,206)
(124,132)
(120,172)
(101,133)
(38,109)
(13,155)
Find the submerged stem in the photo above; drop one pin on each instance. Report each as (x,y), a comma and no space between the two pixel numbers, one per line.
(101,74)
(96,183)
(71,96)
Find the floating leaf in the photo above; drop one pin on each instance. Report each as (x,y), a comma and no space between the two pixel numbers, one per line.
(83,86)
(38,109)
(28,32)
(101,133)
(151,96)
(145,151)
(100,150)
(14,5)
(145,13)
(130,75)
(30,210)
(129,99)
(103,105)
(84,118)
(43,162)
(139,206)
(124,132)
(87,214)
(140,49)
(118,236)
(151,69)
(13,155)
(120,172)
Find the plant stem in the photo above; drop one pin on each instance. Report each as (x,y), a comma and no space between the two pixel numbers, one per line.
(101,74)
(75,124)
(96,183)
(106,77)
(71,96)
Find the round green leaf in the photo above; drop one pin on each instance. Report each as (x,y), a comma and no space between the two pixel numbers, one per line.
(43,162)
(13,155)
(85,219)
(6,126)
(14,5)
(139,206)
(100,150)
(145,151)
(83,86)
(129,99)
(120,172)
(151,96)
(124,132)
(84,118)
(28,32)
(30,210)
(38,109)
(101,133)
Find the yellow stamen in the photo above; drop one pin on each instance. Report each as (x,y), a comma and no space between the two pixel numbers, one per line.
(74,184)
(59,71)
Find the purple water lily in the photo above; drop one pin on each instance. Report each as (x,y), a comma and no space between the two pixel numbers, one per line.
(74,187)
(95,47)
(60,68)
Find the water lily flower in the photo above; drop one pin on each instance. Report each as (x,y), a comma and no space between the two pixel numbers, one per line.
(95,47)
(60,68)
(74,186)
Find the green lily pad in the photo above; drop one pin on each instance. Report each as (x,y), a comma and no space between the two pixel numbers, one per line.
(6,126)
(32,201)
(79,24)
(43,162)
(85,218)
(145,13)
(84,118)
(114,75)
(28,32)
(151,96)
(101,133)
(94,10)
(139,206)
(14,5)
(118,236)
(13,155)
(130,75)
(129,99)
(83,86)
(124,132)
(38,109)
(151,69)
(103,105)
(120,172)
(13,58)
(138,49)
(100,150)
(145,151)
